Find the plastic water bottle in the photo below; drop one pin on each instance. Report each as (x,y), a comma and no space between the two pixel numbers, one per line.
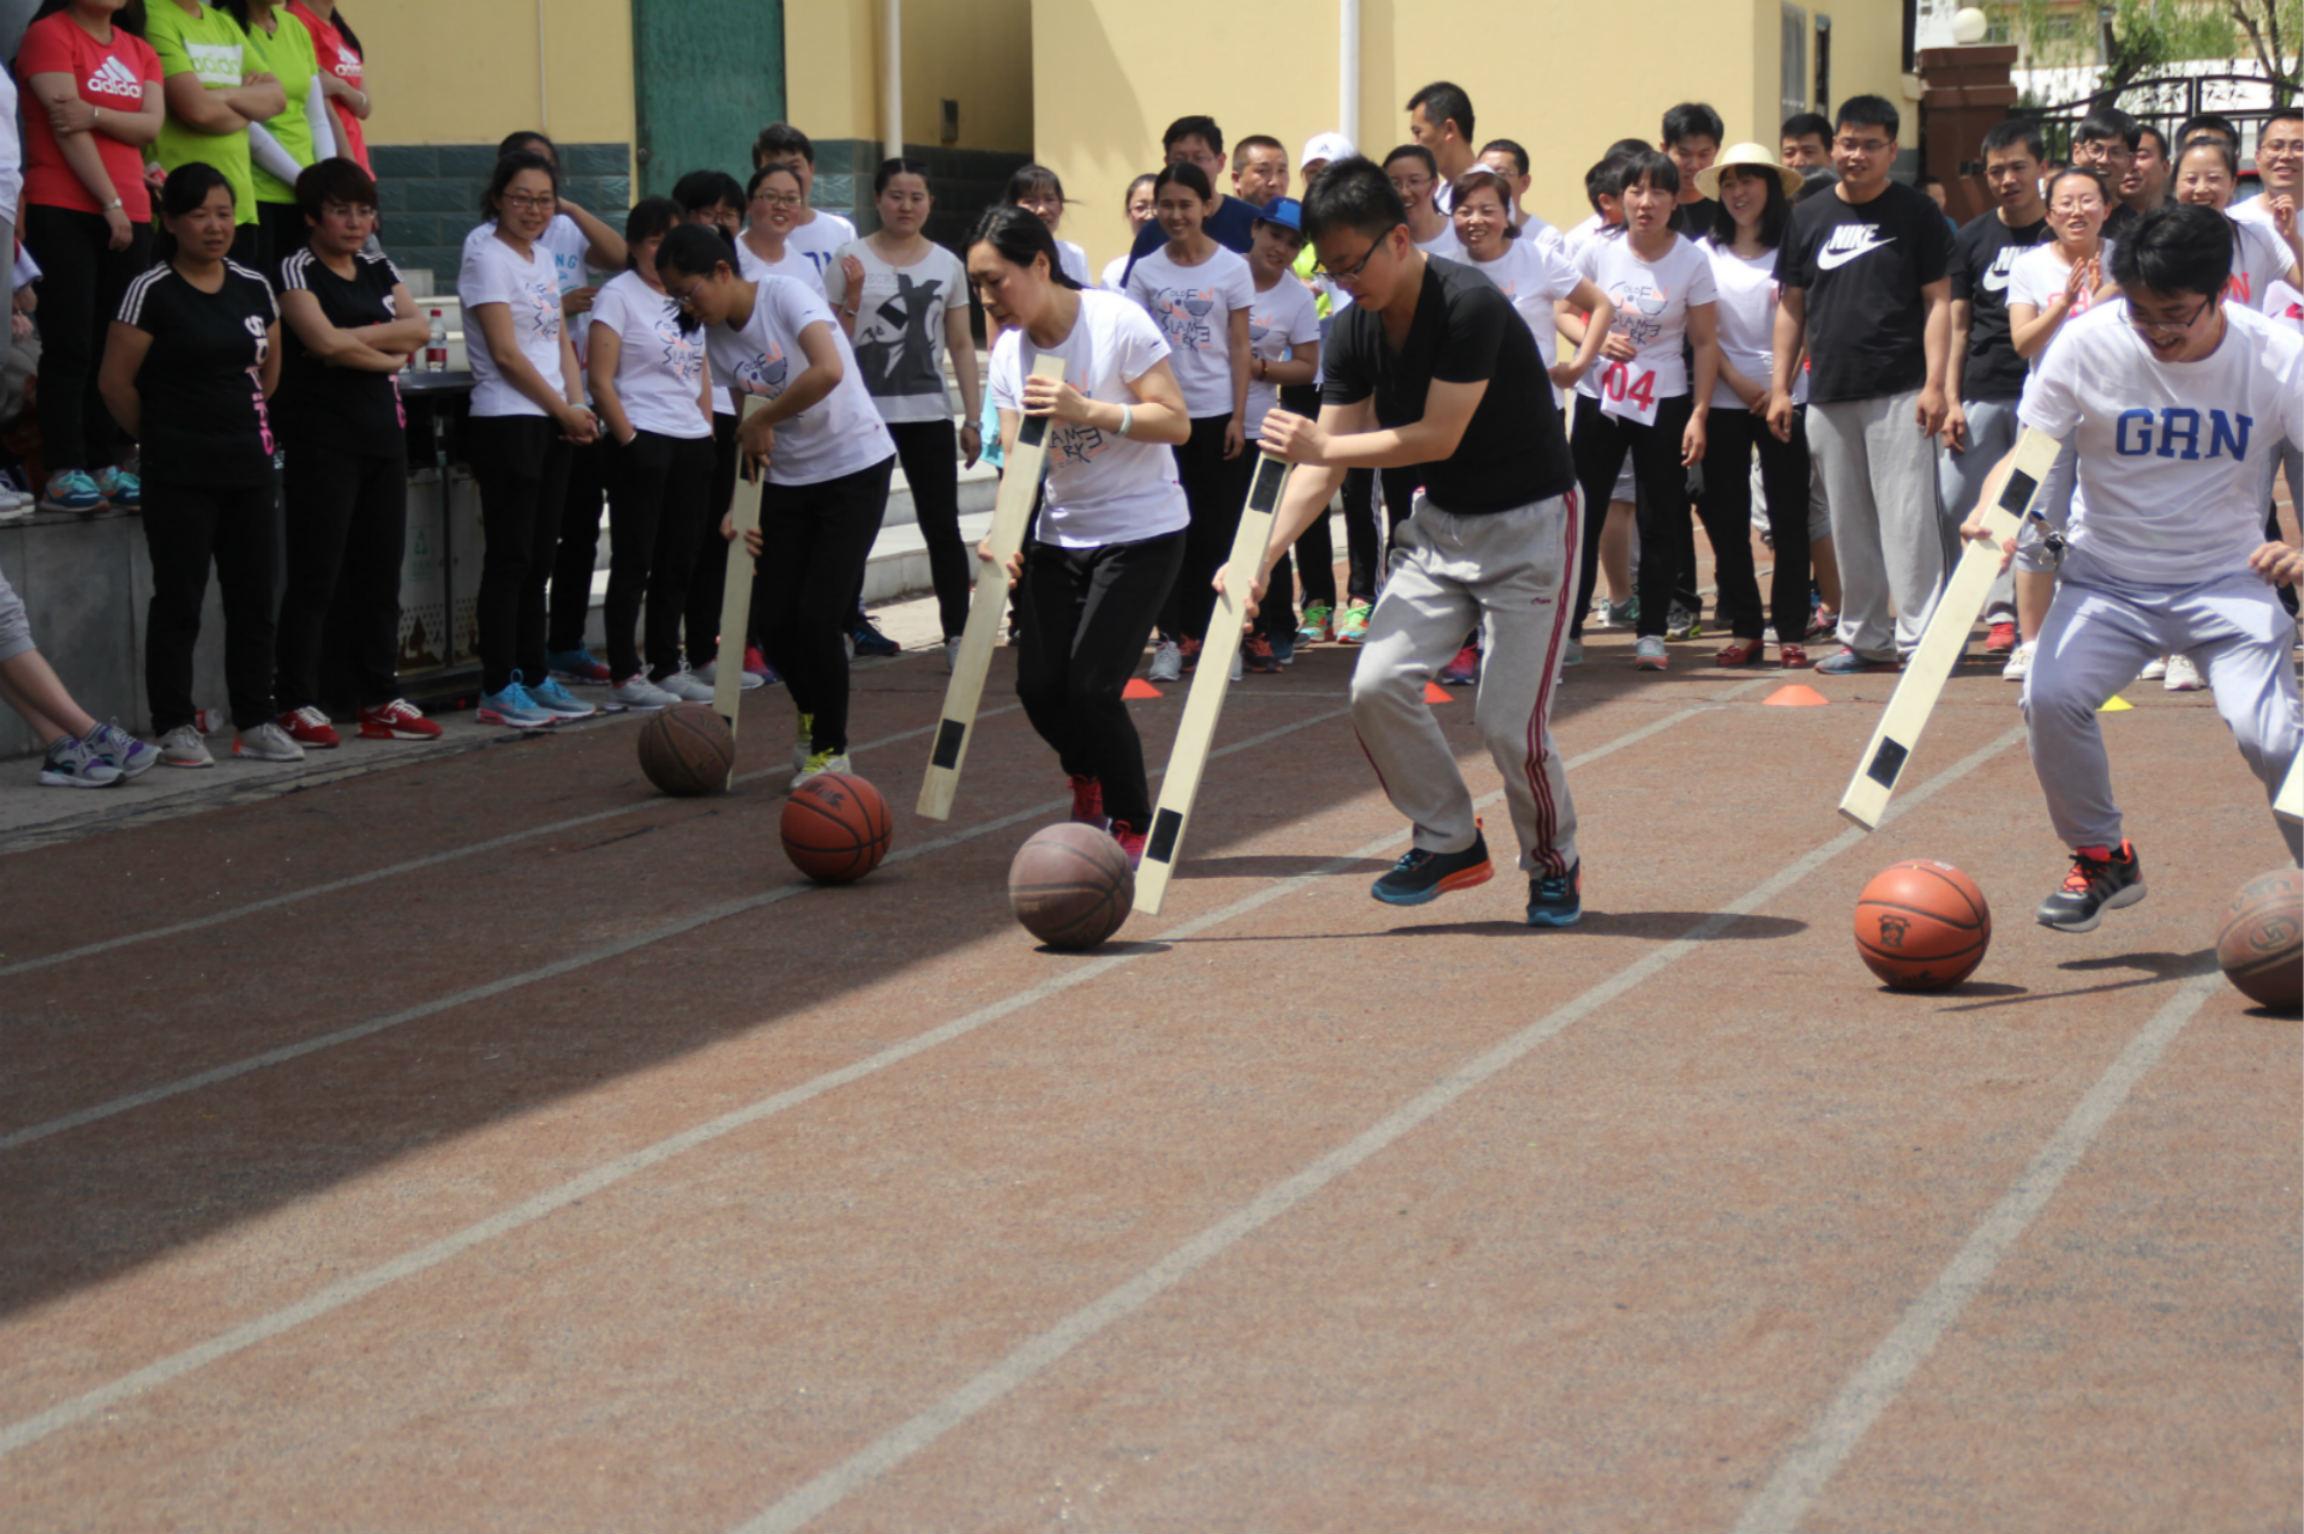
(436,348)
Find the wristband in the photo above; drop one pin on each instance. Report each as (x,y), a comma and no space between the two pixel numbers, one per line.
(1127,417)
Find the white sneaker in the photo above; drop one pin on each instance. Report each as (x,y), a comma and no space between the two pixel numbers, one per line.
(686,686)
(1167,663)
(711,668)
(637,692)
(1572,653)
(2183,676)
(184,747)
(267,742)
(2019,662)
(2154,669)
(1235,666)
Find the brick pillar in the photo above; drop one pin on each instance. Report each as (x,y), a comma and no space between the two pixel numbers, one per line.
(1966,91)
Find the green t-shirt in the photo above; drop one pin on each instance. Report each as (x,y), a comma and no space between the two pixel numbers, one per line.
(213,48)
(285,53)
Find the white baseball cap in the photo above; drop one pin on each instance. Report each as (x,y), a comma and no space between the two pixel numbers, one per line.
(1325,147)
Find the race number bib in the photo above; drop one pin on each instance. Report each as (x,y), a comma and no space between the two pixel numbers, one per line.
(1629,390)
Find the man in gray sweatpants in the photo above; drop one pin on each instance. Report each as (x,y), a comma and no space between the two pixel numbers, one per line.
(1431,371)
(1865,292)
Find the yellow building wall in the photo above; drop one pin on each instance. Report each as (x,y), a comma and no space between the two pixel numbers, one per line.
(470,71)
(975,52)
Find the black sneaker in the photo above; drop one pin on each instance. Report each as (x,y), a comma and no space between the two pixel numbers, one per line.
(1557,900)
(1420,876)
(2098,882)
(870,641)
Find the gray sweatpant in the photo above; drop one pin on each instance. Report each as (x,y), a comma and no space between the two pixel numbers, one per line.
(2099,631)
(1960,480)
(1513,573)
(1887,522)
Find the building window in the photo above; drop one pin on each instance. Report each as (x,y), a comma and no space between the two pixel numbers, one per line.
(1824,65)
(1795,71)
(1911,33)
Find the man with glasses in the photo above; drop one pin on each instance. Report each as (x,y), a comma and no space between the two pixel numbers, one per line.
(2106,139)
(1430,371)
(1863,270)
(2174,402)
(1231,221)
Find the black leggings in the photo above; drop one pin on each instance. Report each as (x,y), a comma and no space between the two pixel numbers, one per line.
(579,551)
(185,528)
(347,527)
(1214,487)
(815,540)
(658,485)
(1733,436)
(930,453)
(521,463)
(1660,482)
(80,289)
(1083,616)
(708,578)
(1362,547)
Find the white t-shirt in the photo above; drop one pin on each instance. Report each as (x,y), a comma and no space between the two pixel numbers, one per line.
(1747,316)
(839,434)
(1444,243)
(1534,277)
(1281,318)
(2260,258)
(2175,458)
(1114,270)
(817,242)
(1074,260)
(659,370)
(495,273)
(1582,235)
(1652,301)
(561,238)
(1102,488)
(900,327)
(752,266)
(2039,274)
(1193,307)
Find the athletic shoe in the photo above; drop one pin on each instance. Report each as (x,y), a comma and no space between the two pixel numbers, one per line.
(122,488)
(309,728)
(1353,626)
(2098,882)
(1616,615)
(2000,639)
(133,757)
(1284,647)
(557,700)
(803,742)
(1188,650)
(1738,652)
(1131,842)
(1849,663)
(1256,651)
(15,503)
(1167,662)
(951,654)
(686,686)
(1572,653)
(637,692)
(2154,669)
(820,763)
(578,666)
(2183,675)
(2019,662)
(1791,657)
(1319,625)
(1463,671)
(1422,876)
(1823,623)
(1648,654)
(267,742)
(1088,802)
(1680,624)
(710,671)
(1557,900)
(396,720)
(184,747)
(1235,665)
(73,763)
(870,641)
(514,709)
(71,490)
(756,664)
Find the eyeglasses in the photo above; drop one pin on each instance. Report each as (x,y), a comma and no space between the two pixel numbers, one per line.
(527,203)
(1348,273)
(1410,183)
(2169,327)
(1851,145)
(778,199)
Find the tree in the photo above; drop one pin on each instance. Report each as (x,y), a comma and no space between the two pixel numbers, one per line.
(2275,34)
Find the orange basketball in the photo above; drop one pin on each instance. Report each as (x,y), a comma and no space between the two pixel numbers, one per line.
(1071,886)
(686,750)
(2261,947)
(1922,925)
(836,828)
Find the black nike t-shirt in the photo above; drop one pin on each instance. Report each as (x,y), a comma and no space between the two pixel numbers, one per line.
(345,410)
(1862,266)
(1982,253)
(204,418)
(1465,331)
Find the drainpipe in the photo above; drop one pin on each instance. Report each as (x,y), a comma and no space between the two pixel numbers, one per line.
(1347,69)
(892,78)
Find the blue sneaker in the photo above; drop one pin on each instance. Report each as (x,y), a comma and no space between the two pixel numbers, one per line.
(1284,646)
(71,490)
(132,756)
(558,701)
(870,641)
(1557,900)
(1420,876)
(1850,663)
(578,665)
(123,489)
(514,709)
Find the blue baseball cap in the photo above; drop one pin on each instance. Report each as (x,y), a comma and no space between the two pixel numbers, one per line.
(1287,212)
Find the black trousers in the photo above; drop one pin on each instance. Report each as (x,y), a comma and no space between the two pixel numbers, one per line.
(1599,444)
(280,233)
(1732,437)
(930,453)
(347,526)
(708,576)
(660,486)
(1214,487)
(186,527)
(579,552)
(80,290)
(521,463)
(815,540)
(1083,616)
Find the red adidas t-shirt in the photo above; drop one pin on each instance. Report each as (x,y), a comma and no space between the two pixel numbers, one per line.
(341,59)
(113,77)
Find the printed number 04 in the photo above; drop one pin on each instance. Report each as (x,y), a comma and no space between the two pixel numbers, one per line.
(1619,385)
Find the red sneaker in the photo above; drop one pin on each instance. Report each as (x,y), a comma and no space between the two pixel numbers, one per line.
(309,728)
(757,663)
(1189,649)
(396,720)
(1131,842)
(1791,657)
(1256,654)
(1088,801)
(2000,639)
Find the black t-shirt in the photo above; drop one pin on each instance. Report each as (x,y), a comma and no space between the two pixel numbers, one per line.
(1982,253)
(1465,331)
(343,410)
(1232,225)
(1694,219)
(2122,222)
(204,421)
(1862,266)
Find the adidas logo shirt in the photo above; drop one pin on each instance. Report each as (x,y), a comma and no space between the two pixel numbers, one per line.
(113,77)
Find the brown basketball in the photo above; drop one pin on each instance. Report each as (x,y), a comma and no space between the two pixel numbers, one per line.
(2262,945)
(687,750)
(1071,885)
(836,828)
(1922,925)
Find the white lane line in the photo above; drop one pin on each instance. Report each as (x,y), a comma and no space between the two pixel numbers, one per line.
(30,1430)
(1039,1353)
(664,932)
(1812,1462)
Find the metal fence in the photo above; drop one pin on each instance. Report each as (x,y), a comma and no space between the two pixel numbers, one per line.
(2165,102)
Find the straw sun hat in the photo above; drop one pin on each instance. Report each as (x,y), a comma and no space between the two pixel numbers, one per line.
(1749,157)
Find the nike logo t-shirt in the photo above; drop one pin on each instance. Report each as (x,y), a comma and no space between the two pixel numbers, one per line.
(1863,266)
